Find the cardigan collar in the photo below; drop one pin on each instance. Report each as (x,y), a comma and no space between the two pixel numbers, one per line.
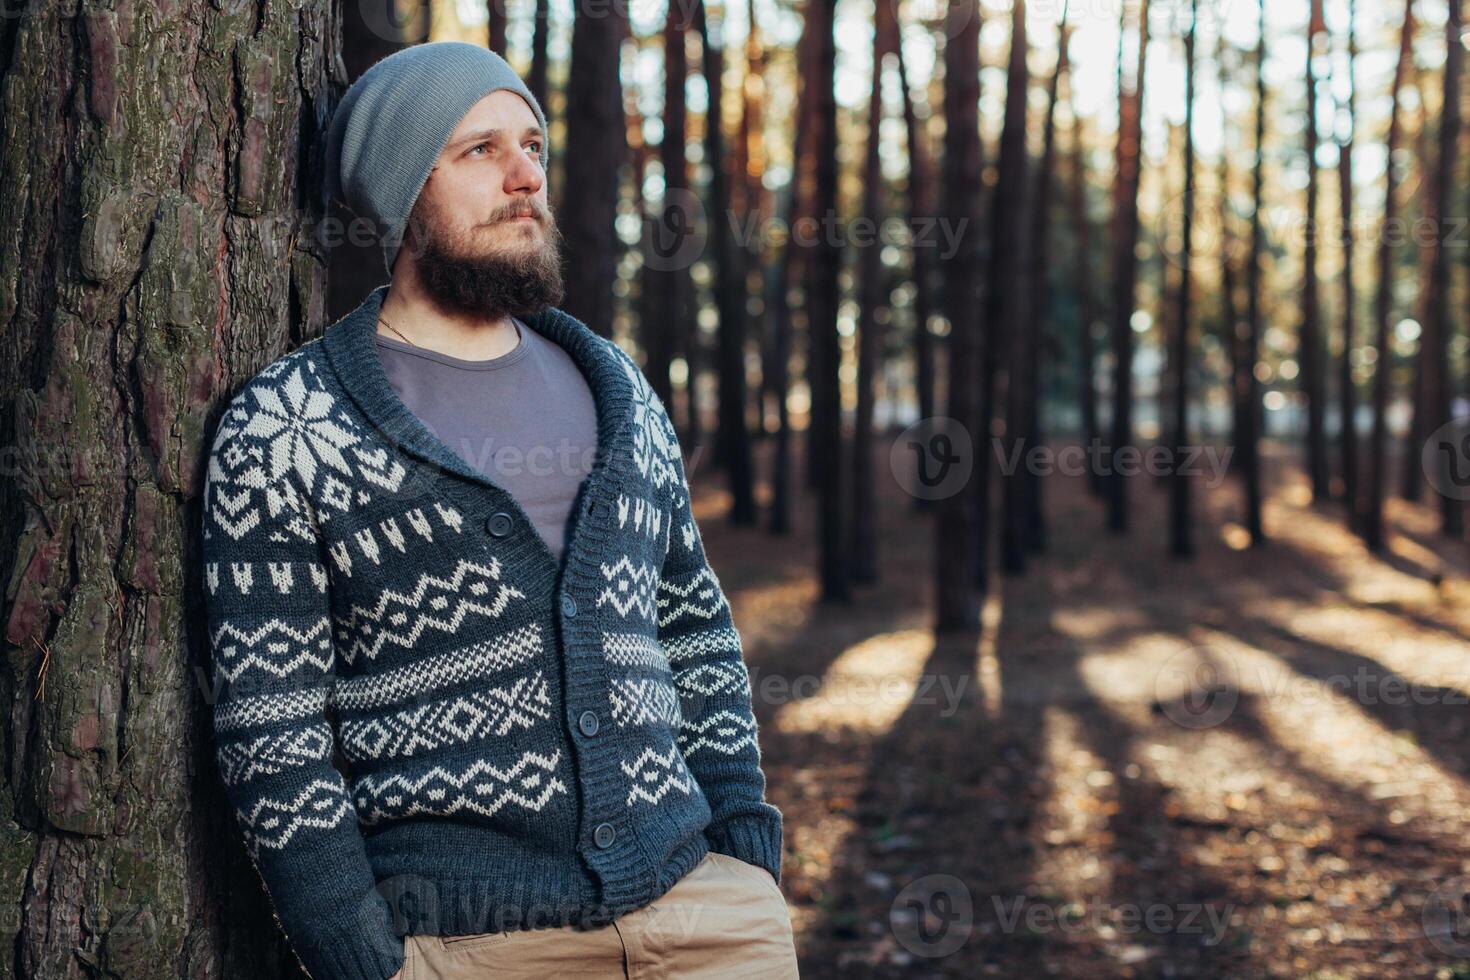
(351,346)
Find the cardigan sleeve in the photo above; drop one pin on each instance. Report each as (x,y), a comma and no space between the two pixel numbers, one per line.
(270,631)
(718,735)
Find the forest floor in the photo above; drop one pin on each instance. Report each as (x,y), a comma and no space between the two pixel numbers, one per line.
(1252,764)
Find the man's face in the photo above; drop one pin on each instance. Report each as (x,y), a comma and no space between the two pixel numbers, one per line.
(482,234)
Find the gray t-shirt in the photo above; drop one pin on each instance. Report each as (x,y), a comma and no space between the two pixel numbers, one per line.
(525,419)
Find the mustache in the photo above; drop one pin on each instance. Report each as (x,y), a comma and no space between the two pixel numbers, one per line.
(521,209)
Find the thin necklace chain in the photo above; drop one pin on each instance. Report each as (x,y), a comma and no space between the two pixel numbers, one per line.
(412,344)
(396,330)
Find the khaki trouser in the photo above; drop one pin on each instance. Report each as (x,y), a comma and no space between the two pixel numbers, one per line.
(725,919)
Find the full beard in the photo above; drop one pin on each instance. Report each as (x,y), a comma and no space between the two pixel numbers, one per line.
(493,284)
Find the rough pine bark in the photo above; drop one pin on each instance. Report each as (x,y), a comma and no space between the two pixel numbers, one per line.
(161,201)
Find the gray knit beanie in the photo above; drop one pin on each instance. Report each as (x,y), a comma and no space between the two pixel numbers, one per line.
(394,121)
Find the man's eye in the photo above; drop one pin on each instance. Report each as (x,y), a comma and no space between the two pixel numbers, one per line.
(479,146)
(537,145)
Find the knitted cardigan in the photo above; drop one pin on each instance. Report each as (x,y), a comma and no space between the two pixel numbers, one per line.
(427,724)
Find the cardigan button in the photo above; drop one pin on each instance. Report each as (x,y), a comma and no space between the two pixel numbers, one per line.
(588,723)
(568,606)
(604,835)
(500,524)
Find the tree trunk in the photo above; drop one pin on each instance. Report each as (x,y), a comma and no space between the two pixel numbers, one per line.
(922,204)
(1412,462)
(793,264)
(957,583)
(162,198)
(1010,331)
(1434,355)
(753,202)
(1039,282)
(1086,301)
(1249,449)
(826,264)
(594,125)
(1181,536)
(370,32)
(1234,328)
(665,272)
(1125,269)
(536,80)
(497,12)
(1373,535)
(872,312)
(733,438)
(1347,394)
(1309,339)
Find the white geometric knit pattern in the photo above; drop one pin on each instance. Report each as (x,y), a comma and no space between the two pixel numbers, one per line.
(483,788)
(654,445)
(724,732)
(254,710)
(699,597)
(269,754)
(492,656)
(271,823)
(275,647)
(631,587)
(653,774)
(435,601)
(633,650)
(474,716)
(638,702)
(296,427)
